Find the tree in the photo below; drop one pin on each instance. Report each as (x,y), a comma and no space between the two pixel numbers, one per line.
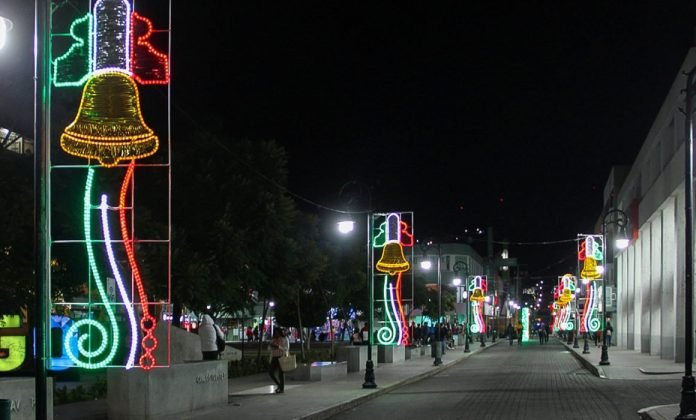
(299,291)
(230,221)
(16,239)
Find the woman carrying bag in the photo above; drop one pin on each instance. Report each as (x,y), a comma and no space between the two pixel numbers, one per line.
(209,334)
(280,346)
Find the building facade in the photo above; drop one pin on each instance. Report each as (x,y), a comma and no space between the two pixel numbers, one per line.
(649,274)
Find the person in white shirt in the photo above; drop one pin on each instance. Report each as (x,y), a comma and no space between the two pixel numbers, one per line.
(208,334)
(279,347)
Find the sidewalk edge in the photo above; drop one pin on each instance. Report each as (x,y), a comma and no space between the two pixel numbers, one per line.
(594,369)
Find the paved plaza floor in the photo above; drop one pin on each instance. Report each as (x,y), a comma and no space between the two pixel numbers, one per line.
(254,397)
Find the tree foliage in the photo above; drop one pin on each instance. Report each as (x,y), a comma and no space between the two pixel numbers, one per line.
(16,237)
(230,222)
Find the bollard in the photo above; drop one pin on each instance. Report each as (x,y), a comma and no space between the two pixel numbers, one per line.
(5,409)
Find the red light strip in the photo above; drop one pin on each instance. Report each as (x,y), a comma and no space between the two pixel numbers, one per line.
(404,326)
(152,66)
(148,322)
(406,237)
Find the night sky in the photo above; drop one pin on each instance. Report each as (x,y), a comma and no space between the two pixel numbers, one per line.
(469,115)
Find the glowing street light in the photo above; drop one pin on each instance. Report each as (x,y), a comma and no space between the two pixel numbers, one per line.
(5,27)
(346,226)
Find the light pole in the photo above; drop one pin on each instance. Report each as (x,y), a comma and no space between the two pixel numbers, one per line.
(464,267)
(619,218)
(369,365)
(271,304)
(687,405)
(345,227)
(426,265)
(42,42)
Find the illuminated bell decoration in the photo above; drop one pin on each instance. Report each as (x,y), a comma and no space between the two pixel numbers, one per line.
(393,260)
(477,295)
(566,296)
(589,269)
(109,126)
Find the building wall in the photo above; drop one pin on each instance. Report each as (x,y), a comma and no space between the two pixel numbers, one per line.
(650,273)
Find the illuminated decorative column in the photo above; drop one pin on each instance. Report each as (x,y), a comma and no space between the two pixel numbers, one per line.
(107,51)
(525,324)
(565,300)
(590,256)
(477,288)
(392,234)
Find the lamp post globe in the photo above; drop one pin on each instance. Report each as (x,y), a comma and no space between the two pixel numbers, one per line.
(5,27)
(346,226)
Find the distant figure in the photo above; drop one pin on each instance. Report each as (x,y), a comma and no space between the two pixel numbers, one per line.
(365,332)
(510,332)
(608,331)
(425,337)
(279,347)
(249,334)
(417,335)
(208,334)
(356,338)
(256,332)
(519,333)
(542,333)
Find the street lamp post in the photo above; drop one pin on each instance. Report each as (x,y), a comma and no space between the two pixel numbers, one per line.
(462,266)
(42,37)
(621,220)
(369,365)
(426,266)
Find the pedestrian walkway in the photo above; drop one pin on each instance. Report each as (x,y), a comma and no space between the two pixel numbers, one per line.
(253,397)
(632,364)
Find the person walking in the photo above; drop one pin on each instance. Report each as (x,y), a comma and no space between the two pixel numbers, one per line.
(510,332)
(208,335)
(279,347)
(542,333)
(608,332)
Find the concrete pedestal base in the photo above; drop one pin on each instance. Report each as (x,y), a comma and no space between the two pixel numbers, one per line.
(390,354)
(414,352)
(21,393)
(355,356)
(165,392)
(425,350)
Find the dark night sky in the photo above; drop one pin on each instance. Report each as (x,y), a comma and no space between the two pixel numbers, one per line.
(470,115)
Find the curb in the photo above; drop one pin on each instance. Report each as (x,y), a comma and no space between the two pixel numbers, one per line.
(594,369)
(659,412)
(346,405)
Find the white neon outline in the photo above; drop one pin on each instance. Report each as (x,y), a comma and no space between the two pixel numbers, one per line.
(388,232)
(396,313)
(127,35)
(385,335)
(121,288)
